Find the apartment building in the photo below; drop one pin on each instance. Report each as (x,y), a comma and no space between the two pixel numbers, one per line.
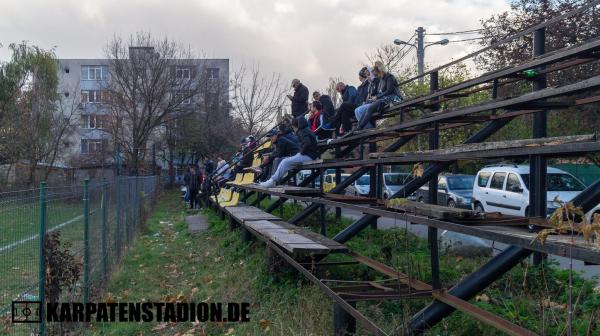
(83,83)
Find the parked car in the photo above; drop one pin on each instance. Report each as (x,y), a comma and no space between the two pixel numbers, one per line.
(329,182)
(504,189)
(301,175)
(360,187)
(392,182)
(454,191)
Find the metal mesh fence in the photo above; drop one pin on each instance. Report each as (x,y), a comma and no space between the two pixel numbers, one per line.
(85,228)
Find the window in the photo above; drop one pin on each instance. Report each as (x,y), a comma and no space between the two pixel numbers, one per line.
(363,180)
(497,180)
(513,184)
(182,98)
(93,121)
(89,146)
(94,72)
(483,179)
(462,182)
(213,73)
(395,178)
(558,182)
(92,96)
(442,185)
(183,73)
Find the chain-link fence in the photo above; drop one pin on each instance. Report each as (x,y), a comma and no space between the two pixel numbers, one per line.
(85,229)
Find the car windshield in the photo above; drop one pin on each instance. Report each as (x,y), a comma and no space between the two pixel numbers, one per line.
(460,182)
(558,182)
(363,180)
(395,179)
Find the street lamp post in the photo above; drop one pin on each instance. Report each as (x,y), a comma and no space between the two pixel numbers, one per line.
(420,46)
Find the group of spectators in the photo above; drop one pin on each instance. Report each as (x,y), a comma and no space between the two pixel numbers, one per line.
(377,89)
(294,140)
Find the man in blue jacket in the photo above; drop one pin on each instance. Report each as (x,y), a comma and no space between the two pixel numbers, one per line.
(308,151)
(299,99)
(344,114)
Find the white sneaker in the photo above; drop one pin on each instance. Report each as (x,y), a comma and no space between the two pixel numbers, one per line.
(267,184)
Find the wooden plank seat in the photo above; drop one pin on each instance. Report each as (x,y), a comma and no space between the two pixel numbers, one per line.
(289,190)
(292,238)
(243,214)
(431,210)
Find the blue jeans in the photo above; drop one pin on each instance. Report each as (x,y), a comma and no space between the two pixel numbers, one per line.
(360,113)
(288,163)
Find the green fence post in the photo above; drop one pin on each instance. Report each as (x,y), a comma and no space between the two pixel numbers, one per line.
(118,217)
(86,242)
(42,259)
(104,229)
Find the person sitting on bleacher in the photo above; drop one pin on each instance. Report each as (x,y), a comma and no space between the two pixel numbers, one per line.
(246,157)
(307,142)
(342,119)
(388,91)
(318,121)
(328,108)
(285,144)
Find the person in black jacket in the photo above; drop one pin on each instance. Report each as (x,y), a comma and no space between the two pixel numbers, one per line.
(308,151)
(195,182)
(299,99)
(387,92)
(285,143)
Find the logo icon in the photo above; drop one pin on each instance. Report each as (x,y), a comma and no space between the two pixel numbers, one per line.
(26,311)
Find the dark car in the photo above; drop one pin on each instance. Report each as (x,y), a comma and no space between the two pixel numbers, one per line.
(454,191)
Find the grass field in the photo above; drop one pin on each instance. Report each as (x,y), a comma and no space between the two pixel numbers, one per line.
(20,238)
(168,264)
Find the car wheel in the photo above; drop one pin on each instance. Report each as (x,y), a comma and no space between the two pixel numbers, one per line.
(451,204)
(479,208)
(421,200)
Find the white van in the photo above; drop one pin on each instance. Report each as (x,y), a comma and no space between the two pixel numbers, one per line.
(505,189)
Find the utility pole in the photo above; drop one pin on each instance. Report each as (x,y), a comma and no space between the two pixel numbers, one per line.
(420,46)
(420,53)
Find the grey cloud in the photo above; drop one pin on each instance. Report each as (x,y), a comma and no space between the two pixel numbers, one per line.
(310,39)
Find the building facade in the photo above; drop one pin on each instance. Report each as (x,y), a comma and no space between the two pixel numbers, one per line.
(82,86)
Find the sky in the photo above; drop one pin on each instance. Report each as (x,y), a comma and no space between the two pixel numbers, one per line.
(307,39)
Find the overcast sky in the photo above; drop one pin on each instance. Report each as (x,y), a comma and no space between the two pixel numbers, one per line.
(309,39)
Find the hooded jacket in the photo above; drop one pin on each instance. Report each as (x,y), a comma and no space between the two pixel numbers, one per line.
(306,139)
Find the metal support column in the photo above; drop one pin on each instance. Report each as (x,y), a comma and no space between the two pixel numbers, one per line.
(538,164)
(373,180)
(344,324)
(432,233)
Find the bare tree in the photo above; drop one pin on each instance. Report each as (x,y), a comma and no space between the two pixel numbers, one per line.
(332,92)
(392,57)
(257,99)
(151,81)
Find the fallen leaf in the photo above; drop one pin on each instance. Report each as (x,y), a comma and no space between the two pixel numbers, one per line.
(229,331)
(160,326)
(482,298)
(264,323)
